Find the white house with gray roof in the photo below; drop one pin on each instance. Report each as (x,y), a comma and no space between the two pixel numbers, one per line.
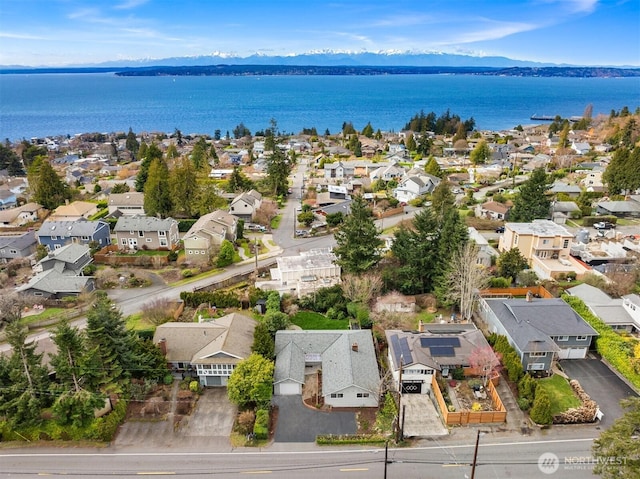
(346,359)
(146,232)
(539,329)
(622,314)
(210,350)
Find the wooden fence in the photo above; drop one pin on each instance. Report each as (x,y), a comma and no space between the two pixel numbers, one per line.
(499,414)
(538,291)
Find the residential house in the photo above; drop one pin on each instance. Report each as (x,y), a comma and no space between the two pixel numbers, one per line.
(414,186)
(245,205)
(207,234)
(618,313)
(17,245)
(437,348)
(545,244)
(492,210)
(573,191)
(60,274)
(146,232)
(338,171)
(74,211)
(126,204)
(581,148)
(346,361)
(486,253)
(21,215)
(387,173)
(540,330)
(593,179)
(395,302)
(303,274)
(56,234)
(208,350)
(8,199)
(622,209)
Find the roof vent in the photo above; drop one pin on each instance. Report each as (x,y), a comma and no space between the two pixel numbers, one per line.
(354,347)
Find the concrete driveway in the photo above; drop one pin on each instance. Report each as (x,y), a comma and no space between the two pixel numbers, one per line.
(602,384)
(421,418)
(298,423)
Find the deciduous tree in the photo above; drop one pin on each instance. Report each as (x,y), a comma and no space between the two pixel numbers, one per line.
(251,382)
(481,153)
(484,362)
(510,263)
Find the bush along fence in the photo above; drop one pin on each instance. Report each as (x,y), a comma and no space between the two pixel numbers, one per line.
(219,299)
(330,439)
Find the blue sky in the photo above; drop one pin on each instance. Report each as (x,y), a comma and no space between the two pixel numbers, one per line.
(63,32)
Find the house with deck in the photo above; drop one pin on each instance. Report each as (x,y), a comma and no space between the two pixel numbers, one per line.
(56,234)
(146,232)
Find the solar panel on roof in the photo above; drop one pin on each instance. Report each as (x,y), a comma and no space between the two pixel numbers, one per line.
(450,341)
(442,351)
(405,351)
(395,345)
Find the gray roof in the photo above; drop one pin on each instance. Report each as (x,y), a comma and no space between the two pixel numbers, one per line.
(224,340)
(620,206)
(531,324)
(565,206)
(132,198)
(54,282)
(609,309)
(18,242)
(342,367)
(343,207)
(80,227)
(67,254)
(144,223)
(564,188)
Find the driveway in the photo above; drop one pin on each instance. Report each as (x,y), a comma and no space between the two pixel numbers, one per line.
(421,418)
(208,427)
(602,384)
(298,423)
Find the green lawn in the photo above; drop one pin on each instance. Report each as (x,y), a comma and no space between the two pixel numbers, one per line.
(311,320)
(275,222)
(46,314)
(136,322)
(560,393)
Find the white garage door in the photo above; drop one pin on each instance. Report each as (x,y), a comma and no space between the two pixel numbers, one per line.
(573,353)
(288,389)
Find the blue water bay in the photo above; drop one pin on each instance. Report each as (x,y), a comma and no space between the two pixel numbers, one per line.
(54,104)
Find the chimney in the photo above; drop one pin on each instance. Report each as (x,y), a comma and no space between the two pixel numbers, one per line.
(354,347)
(529,296)
(162,344)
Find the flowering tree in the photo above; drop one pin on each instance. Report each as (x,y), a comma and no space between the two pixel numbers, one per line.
(484,361)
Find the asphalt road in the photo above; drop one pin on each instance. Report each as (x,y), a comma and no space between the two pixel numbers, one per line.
(496,459)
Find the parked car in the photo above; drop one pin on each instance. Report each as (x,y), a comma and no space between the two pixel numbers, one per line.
(500,229)
(301,232)
(603,225)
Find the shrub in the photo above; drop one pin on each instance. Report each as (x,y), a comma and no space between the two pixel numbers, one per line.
(541,410)
(246,420)
(476,406)
(105,427)
(261,426)
(168,379)
(527,387)
(194,386)
(187,273)
(524,404)
(386,414)
(500,282)
(220,299)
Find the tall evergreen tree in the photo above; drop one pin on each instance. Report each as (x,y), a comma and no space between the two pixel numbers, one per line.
(623,173)
(47,188)
(433,168)
(442,199)
(532,202)
(10,161)
(358,248)
(157,195)
(278,169)
(148,154)
(183,184)
(199,154)
(25,394)
(131,143)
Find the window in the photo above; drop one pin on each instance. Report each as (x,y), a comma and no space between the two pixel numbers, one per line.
(13,251)
(148,240)
(535,367)
(545,241)
(337,395)
(197,251)
(581,338)
(163,241)
(565,243)
(562,338)
(190,252)
(537,355)
(141,234)
(123,241)
(515,240)
(162,233)
(54,237)
(85,238)
(362,395)
(132,232)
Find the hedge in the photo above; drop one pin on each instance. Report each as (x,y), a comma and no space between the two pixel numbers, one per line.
(591,220)
(329,439)
(219,299)
(185,225)
(261,426)
(610,345)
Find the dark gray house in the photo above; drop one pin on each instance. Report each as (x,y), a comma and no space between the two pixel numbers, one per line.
(19,245)
(538,329)
(56,234)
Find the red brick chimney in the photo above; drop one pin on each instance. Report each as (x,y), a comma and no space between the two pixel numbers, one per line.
(162,344)
(354,347)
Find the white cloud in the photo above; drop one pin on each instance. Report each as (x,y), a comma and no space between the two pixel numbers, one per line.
(20,36)
(492,31)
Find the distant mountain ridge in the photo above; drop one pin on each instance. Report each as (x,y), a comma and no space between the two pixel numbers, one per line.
(322,58)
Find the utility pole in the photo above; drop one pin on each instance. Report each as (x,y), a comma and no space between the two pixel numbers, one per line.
(475,456)
(386,455)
